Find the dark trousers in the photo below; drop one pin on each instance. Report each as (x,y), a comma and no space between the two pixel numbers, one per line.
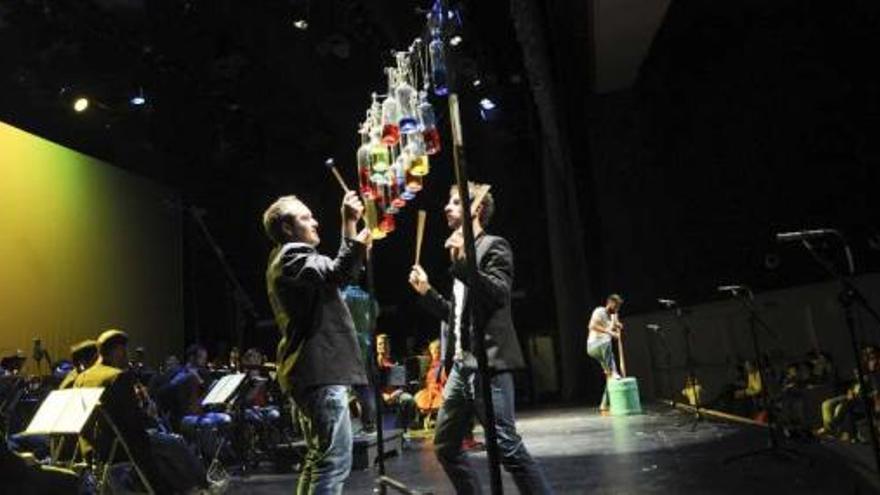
(454,420)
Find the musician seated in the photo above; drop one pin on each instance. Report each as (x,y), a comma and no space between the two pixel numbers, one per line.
(842,415)
(143,371)
(393,395)
(188,386)
(430,398)
(257,400)
(692,391)
(83,355)
(121,405)
(165,459)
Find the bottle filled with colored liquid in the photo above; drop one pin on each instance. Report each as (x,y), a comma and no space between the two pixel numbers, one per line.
(406,96)
(438,63)
(379,156)
(391,111)
(387,224)
(371,217)
(397,184)
(430,133)
(413,183)
(364,165)
(415,148)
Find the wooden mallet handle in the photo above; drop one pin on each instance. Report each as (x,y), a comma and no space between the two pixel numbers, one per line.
(420,234)
(478,198)
(332,166)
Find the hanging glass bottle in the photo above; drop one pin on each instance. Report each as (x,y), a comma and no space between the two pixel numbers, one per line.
(375,214)
(364,164)
(407,194)
(415,147)
(391,111)
(397,186)
(387,224)
(430,133)
(438,63)
(379,158)
(371,217)
(406,95)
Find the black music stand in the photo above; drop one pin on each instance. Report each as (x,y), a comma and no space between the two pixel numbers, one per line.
(774,447)
(66,413)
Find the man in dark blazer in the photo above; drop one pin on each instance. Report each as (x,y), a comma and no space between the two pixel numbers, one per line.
(486,304)
(318,355)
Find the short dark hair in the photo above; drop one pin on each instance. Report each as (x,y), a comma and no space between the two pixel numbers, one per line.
(488,202)
(614,297)
(110,339)
(84,352)
(193,350)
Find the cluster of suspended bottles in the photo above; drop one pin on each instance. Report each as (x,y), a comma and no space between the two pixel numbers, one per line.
(397,137)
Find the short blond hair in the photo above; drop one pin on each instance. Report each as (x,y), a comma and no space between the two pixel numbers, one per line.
(276,214)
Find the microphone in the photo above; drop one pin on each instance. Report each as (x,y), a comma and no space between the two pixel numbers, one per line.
(667,302)
(804,235)
(38,350)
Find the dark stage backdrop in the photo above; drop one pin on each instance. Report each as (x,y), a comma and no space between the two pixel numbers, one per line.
(746,120)
(84,247)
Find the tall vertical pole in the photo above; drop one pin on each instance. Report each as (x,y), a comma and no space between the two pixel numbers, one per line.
(373,369)
(461,179)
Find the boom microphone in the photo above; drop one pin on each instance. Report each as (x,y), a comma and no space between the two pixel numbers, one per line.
(805,235)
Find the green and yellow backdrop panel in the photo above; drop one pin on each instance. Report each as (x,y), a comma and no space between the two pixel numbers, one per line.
(84,246)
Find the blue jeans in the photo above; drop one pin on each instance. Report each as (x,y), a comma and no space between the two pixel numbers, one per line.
(322,413)
(454,420)
(604,354)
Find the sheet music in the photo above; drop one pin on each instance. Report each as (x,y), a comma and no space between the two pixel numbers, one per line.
(223,390)
(64,411)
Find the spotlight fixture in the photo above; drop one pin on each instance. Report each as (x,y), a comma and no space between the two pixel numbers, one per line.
(81,104)
(455,40)
(301,24)
(477,83)
(487,104)
(139,99)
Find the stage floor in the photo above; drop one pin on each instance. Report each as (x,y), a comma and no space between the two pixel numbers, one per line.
(583,452)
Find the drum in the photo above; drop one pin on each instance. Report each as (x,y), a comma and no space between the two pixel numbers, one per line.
(624,396)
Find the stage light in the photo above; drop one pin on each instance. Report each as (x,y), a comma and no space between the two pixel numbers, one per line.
(455,40)
(477,83)
(487,104)
(81,104)
(301,24)
(138,99)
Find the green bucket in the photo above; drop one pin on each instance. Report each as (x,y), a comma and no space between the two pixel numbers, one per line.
(624,396)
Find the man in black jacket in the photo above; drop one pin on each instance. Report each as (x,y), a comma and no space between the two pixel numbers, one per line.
(318,355)
(486,304)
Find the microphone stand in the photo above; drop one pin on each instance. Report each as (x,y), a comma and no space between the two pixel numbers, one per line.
(689,363)
(850,295)
(774,448)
